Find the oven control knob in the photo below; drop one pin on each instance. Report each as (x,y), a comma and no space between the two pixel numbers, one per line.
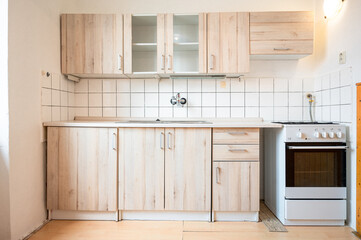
(339,134)
(331,134)
(317,134)
(324,134)
(299,135)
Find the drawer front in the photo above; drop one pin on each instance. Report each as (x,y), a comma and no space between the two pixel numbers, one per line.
(236,136)
(281,31)
(315,209)
(279,17)
(281,47)
(235,153)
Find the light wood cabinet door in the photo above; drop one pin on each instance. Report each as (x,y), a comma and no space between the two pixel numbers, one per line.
(141,168)
(228,42)
(188,169)
(92,44)
(82,169)
(236,186)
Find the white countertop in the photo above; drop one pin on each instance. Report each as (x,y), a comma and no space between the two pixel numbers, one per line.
(122,122)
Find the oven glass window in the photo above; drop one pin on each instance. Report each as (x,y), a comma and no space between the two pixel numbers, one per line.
(311,168)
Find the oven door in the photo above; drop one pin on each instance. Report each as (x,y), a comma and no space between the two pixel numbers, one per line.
(315,171)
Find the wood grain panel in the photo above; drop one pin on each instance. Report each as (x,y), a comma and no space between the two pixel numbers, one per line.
(188,169)
(243,42)
(282,47)
(281,31)
(228,59)
(52,168)
(235,153)
(141,169)
(202,21)
(169,43)
(161,44)
(358,167)
(236,136)
(128,44)
(236,186)
(213,42)
(289,17)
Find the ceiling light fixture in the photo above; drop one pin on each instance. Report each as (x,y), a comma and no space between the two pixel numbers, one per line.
(332,7)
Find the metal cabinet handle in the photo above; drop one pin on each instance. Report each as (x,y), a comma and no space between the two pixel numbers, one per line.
(119,62)
(169,61)
(217,175)
(237,150)
(161,142)
(114,141)
(281,49)
(211,61)
(162,62)
(168,140)
(238,133)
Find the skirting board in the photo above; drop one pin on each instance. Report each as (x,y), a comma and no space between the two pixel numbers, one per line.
(164,215)
(83,215)
(236,216)
(313,223)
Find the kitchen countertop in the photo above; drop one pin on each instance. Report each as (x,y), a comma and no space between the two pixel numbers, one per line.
(122,122)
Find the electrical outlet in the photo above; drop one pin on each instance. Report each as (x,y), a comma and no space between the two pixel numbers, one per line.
(342,57)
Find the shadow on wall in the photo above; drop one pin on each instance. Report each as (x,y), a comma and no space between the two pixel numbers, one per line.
(4,196)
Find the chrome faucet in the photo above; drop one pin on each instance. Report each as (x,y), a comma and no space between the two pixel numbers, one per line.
(178,100)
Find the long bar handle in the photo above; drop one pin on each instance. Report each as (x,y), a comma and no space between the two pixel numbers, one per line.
(119,62)
(114,141)
(211,62)
(316,147)
(162,62)
(161,140)
(237,133)
(217,175)
(281,49)
(169,61)
(237,150)
(168,140)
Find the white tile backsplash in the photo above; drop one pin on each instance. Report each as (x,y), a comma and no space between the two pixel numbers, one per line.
(194,100)
(223,112)
(223,85)
(208,85)
(281,85)
(137,99)
(123,99)
(208,112)
(251,99)
(195,85)
(295,85)
(223,99)
(109,100)
(137,112)
(151,85)
(151,99)
(95,100)
(137,85)
(208,99)
(237,85)
(180,85)
(266,99)
(266,85)
(252,85)
(95,86)
(123,85)
(109,85)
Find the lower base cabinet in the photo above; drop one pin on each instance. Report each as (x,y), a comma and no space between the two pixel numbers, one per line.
(236,186)
(82,169)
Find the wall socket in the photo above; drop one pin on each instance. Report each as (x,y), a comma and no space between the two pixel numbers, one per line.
(342,57)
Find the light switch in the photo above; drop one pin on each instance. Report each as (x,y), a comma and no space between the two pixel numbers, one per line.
(342,57)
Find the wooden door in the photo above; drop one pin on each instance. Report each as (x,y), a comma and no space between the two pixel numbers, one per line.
(141,168)
(236,186)
(92,43)
(169,43)
(82,169)
(228,42)
(161,43)
(188,169)
(358,167)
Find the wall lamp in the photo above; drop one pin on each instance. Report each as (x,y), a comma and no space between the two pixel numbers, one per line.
(331,8)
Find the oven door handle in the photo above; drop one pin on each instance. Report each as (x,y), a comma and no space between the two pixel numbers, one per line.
(316,147)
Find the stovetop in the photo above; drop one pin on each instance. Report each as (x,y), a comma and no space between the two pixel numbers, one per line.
(304,123)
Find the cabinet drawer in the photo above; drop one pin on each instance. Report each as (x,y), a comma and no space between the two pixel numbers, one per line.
(235,152)
(236,136)
(281,47)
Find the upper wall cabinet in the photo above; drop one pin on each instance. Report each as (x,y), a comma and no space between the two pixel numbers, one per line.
(228,42)
(91,44)
(287,34)
(164,44)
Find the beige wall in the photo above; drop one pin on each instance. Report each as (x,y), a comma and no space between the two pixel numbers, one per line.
(34,45)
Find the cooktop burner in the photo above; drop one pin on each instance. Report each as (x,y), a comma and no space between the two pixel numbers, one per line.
(302,123)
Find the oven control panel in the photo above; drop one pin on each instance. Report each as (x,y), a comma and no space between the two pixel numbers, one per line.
(315,133)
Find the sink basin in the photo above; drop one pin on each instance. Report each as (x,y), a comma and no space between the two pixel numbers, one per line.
(165,122)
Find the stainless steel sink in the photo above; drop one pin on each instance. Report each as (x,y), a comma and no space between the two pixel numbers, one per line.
(165,122)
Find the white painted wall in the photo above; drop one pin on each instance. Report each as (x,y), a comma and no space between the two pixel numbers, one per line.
(34,45)
(4,125)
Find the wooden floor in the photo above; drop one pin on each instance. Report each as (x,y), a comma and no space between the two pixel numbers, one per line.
(151,230)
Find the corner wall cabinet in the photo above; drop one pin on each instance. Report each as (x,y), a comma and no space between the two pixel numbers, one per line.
(91,44)
(82,169)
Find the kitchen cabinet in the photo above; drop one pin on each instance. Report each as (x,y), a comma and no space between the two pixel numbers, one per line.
(165,169)
(141,168)
(236,170)
(91,44)
(281,33)
(228,42)
(82,169)
(188,169)
(236,186)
